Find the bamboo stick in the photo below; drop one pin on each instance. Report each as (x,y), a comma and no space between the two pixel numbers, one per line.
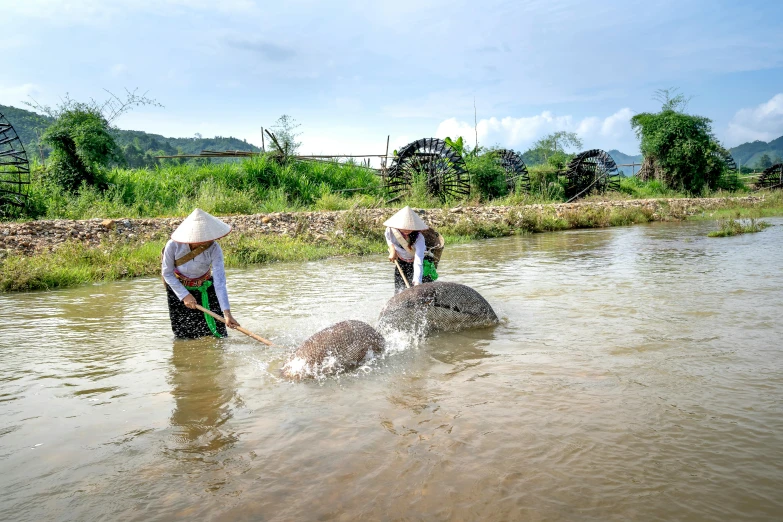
(243,330)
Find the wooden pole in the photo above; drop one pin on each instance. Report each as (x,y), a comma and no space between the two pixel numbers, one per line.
(243,330)
(263,145)
(385,159)
(402,274)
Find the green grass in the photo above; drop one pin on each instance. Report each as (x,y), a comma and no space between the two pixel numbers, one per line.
(257,185)
(74,264)
(730,227)
(356,233)
(260,185)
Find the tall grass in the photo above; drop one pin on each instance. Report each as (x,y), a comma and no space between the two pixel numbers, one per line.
(261,185)
(256,185)
(730,227)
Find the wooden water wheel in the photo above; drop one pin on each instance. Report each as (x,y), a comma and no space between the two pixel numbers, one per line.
(14,170)
(516,170)
(730,177)
(444,170)
(771,178)
(592,171)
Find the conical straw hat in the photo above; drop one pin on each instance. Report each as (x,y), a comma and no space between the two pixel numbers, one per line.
(199,227)
(406,219)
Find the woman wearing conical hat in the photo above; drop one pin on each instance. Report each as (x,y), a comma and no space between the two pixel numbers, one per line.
(193,271)
(407,246)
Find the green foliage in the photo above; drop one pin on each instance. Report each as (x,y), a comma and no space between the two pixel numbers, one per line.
(558,160)
(284,142)
(419,195)
(639,189)
(552,149)
(681,145)
(730,227)
(136,148)
(671,100)
(750,153)
(81,144)
(81,137)
(254,185)
(487,177)
(545,180)
(29,126)
(764,162)
(459,146)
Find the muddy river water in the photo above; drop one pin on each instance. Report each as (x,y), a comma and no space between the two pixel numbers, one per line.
(637,374)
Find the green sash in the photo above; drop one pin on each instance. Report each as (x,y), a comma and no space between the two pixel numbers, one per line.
(428,269)
(205,303)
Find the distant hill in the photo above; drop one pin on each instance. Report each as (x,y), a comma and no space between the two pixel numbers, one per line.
(624,159)
(138,147)
(28,125)
(748,154)
(532,157)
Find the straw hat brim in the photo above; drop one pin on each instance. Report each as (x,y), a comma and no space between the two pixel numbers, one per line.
(200,227)
(406,219)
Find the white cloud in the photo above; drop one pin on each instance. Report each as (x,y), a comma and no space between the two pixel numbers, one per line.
(119,69)
(15,94)
(519,133)
(763,122)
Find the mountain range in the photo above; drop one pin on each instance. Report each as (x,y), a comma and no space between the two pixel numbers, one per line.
(749,154)
(140,148)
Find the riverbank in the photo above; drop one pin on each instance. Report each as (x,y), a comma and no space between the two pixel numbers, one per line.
(60,253)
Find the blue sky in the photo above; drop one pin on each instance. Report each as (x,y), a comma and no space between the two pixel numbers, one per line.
(353,72)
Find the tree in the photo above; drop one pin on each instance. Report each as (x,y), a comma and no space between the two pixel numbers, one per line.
(552,148)
(671,100)
(764,161)
(81,143)
(82,137)
(679,147)
(284,142)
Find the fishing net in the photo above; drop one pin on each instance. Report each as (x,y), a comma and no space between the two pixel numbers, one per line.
(438,306)
(341,346)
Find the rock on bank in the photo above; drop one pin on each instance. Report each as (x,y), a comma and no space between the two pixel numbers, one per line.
(46,235)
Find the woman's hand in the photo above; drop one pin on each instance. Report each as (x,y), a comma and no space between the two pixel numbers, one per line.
(393,255)
(230,321)
(189,301)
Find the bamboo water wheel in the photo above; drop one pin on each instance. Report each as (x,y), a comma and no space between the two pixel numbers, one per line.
(592,171)
(516,170)
(771,178)
(730,177)
(14,170)
(444,170)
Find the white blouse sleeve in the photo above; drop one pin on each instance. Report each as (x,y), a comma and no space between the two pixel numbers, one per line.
(388,236)
(418,259)
(167,271)
(219,277)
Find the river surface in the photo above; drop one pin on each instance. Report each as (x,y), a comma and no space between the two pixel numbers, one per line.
(637,374)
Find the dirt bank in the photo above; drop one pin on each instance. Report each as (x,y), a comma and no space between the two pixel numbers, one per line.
(42,236)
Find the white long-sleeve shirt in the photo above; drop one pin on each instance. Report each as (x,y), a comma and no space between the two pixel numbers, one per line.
(418,249)
(195,268)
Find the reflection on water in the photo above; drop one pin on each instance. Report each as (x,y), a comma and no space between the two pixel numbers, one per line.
(636,375)
(203,388)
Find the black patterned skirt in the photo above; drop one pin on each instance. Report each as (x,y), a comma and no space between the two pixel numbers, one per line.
(191,324)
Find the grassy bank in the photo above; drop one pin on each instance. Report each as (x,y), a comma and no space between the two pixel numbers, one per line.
(257,185)
(261,185)
(75,264)
(730,227)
